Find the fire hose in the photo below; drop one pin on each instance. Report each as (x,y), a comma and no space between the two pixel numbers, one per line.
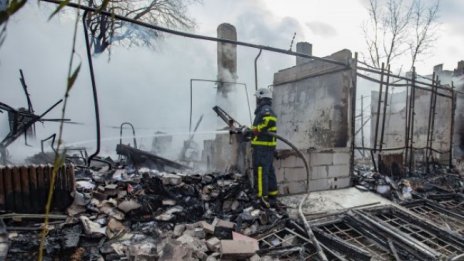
(308,229)
(241,129)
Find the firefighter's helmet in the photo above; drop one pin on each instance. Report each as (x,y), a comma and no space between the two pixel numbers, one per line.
(263,93)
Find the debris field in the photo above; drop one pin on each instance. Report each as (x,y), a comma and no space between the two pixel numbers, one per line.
(116,211)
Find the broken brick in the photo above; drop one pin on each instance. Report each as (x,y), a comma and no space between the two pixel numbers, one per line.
(237,249)
(213,244)
(240,237)
(225,224)
(209,229)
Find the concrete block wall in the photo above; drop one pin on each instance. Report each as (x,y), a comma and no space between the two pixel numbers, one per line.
(313,111)
(328,169)
(313,102)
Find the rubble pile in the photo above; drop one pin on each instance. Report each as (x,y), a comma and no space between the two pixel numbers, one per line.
(120,212)
(418,184)
(144,214)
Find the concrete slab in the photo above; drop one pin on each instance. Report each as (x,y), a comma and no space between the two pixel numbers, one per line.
(333,201)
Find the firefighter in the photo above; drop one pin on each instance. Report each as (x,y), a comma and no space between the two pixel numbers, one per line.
(263,146)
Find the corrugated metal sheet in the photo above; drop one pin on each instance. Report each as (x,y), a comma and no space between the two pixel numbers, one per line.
(24,189)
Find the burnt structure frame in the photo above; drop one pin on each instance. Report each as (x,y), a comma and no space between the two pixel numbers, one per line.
(305,246)
(438,214)
(415,241)
(453,202)
(29,121)
(388,79)
(372,239)
(304,252)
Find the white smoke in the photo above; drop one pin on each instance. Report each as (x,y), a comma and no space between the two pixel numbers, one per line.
(149,89)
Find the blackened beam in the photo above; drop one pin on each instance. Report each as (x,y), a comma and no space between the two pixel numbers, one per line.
(393,249)
(425,224)
(385,104)
(435,206)
(29,102)
(397,76)
(342,246)
(194,36)
(6,107)
(12,136)
(23,83)
(436,92)
(353,92)
(367,231)
(140,157)
(413,246)
(412,114)
(431,124)
(453,242)
(280,251)
(453,114)
(406,85)
(377,120)
(300,231)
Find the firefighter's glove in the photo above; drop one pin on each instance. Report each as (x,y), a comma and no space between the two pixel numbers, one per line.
(255,132)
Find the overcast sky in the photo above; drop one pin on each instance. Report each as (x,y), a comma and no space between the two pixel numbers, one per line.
(150,88)
(329,25)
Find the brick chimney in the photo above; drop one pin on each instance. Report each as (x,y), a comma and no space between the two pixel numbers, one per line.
(438,68)
(304,48)
(459,69)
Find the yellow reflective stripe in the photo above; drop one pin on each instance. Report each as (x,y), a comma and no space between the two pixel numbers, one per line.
(273,193)
(260,181)
(272,143)
(264,143)
(270,118)
(270,129)
(266,122)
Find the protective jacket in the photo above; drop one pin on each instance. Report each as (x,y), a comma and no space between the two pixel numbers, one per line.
(265,121)
(263,149)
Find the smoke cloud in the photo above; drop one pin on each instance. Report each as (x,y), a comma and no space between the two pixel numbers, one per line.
(150,89)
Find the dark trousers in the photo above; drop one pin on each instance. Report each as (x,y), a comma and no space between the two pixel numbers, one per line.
(263,170)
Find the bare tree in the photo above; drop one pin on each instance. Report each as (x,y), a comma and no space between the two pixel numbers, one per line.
(396,26)
(106,30)
(424,27)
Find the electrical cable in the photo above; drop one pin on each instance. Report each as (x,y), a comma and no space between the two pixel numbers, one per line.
(94,89)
